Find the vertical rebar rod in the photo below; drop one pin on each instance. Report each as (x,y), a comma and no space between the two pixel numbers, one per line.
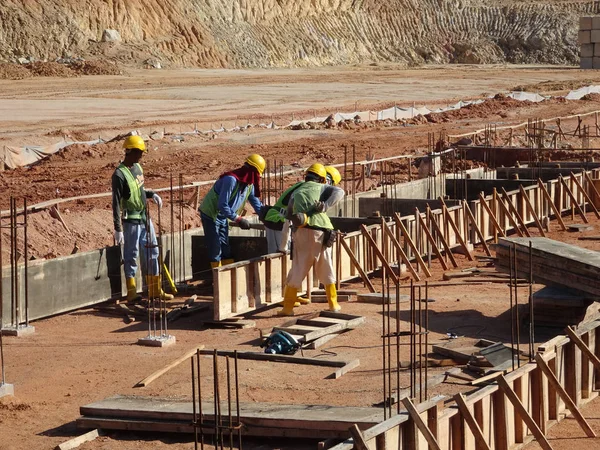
(230,423)
(531,319)
(160,270)
(194,417)
(345,178)
(426,335)
(420,345)
(2,357)
(512,322)
(353,180)
(182,227)
(398,348)
(217,403)
(237,401)
(383,358)
(1,276)
(200,415)
(25,262)
(16,263)
(389,341)
(412,337)
(517,325)
(172,262)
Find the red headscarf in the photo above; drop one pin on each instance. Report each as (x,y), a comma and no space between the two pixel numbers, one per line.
(247,175)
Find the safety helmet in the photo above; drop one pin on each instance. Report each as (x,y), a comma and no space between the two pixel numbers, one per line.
(258,162)
(333,174)
(317,169)
(134,142)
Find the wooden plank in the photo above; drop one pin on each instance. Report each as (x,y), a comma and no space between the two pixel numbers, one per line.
(150,378)
(557,212)
(584,348)
(585,195)
(443,240)
(471,218)
(573,199)
(471,422)
(515,212)
(510,217)
(77,441)
(403,256)
(564,396)
(377,251)
(497,226)
(531,209)
(431,240)
(411,244)
(421,425)
(459,237)
(357,436)
(500,421)
(345,369)
(512,397)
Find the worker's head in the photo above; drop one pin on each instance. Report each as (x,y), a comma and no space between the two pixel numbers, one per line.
(333,175)
(256,161)
(135,147)
(316,172)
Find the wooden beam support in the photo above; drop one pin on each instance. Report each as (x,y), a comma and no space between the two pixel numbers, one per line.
(150,378)
(480,442)
(491,214)
(514,210)
(532,210)
(412,245)
(403,256)
(379,254)
(585,195)
(564,396)
(459,237)
(357,437)
(442,239)
(591,184)
(362,273)
(518,406)
(511,219)
(422,426)
(431,240)
(584,348)
(476,227)
(556,211)
(573,199)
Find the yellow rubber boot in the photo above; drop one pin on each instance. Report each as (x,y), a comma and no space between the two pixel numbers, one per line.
(331,293)
(214,264)
(155,289)
(303,300)
(289,299)
(132,295)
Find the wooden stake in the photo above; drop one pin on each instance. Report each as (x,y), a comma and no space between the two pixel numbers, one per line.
(512,397)
(547,196)
(532,210)
(480,441)
(552,380)
(377,251)
(412,245)
(414,415)
(431,240)
(362,273)
(459,237)
(150,378)
(357,437)
(396,244)
(573,199)
(515,212)
(511,219)
(476,227)
(584,348)
(443,239)
(585,194)
(491,214)
(591,184)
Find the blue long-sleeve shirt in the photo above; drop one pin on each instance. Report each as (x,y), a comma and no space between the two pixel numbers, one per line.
(228,204)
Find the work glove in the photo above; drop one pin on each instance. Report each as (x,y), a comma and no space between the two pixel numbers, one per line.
(119,238)
(299,219)
(244,224)
(318,207)
(156,199)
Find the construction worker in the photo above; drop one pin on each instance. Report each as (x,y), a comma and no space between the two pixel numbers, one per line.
(133,227)
(275,221)
(333,176)
(312,236)
(225,202)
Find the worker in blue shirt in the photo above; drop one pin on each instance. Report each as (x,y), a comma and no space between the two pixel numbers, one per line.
(225,202)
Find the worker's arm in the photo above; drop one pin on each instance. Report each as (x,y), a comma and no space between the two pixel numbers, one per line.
(255,201)
(118,183)
(227,186)
(290,207)
(330,195)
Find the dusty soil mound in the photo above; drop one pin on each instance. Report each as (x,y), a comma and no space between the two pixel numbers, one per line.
(497,105)
(10,71)
(50,69)
(591,97)
(96,68)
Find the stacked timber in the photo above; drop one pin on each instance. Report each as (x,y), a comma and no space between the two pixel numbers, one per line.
(571,273)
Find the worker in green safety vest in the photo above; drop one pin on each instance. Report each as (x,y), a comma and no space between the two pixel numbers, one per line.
(275,221)
(133,227)
(312,236)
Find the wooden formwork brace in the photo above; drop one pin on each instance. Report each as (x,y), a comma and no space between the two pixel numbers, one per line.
(591,184)
(562,393)
(357,437)
(487,208)
(531,209)
(514,210)
(585,194)
(471,218)
(573,199)
(522,411)
(510,217)
(471,422)
(459,237)
(422,426)
(431,240)
(362,273)
(443,240)
(546,195)
(379,254)
(412,245)
(398,247)
(584,348)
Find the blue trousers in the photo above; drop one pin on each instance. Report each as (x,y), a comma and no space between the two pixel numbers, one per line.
(216,233)
(135,236)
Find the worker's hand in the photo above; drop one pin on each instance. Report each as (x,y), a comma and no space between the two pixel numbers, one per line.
(319,207)
(299,220)
(263,212)
(156,199)
(119,238)
(244,224)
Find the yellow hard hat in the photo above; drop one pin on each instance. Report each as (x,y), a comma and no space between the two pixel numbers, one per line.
(134,142)
(258,162)
(318,169)
(334,174)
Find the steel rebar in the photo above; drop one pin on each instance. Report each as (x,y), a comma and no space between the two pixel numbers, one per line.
(194,417)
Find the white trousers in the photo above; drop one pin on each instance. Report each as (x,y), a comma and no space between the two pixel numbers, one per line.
(308,251)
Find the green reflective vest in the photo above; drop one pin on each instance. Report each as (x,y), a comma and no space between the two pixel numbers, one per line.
(133,206)
(278,211)
(305,197)
(210,203)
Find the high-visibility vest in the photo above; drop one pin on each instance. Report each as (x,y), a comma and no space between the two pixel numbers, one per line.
(278,211)
(134,206)
(305,197)
(210,203)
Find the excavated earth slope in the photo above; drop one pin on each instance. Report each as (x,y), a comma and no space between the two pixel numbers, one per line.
(287,33)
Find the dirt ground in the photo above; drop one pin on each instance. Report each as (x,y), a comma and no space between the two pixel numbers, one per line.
(84,356)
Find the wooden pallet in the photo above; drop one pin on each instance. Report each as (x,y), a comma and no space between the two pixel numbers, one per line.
(317,329)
